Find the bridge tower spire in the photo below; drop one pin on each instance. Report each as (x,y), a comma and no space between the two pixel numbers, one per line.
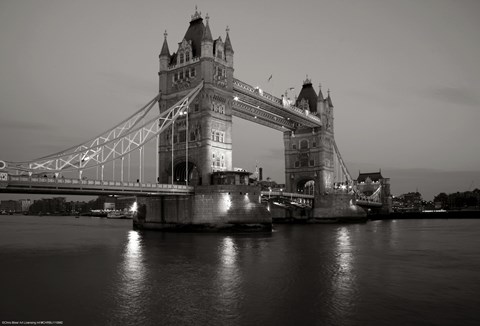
(207,135)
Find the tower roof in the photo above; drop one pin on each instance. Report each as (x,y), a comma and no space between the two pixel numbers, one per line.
(195,33)
(320,94)
(374,176)
(309,94)
(207,34)
(165,51)
(228,44)
(329,100)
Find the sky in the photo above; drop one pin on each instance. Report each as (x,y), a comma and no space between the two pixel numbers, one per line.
(404,77)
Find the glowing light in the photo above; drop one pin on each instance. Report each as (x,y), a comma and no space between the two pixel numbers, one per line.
(227,202)
(235,98)
(134,207)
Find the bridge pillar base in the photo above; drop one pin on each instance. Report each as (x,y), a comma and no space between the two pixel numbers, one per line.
(337,208)
(211,208)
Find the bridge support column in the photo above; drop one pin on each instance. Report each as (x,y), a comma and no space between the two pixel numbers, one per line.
(211,208)
(337,207)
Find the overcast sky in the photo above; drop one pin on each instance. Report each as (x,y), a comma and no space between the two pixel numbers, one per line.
(404,76)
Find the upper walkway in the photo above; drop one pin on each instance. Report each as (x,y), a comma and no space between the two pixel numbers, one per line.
(254,104)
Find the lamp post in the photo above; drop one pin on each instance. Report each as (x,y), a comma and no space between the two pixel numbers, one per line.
(186,145)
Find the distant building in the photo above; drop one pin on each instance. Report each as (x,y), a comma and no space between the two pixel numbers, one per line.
(25,204)
(10,206)
(369,184)
(408,203)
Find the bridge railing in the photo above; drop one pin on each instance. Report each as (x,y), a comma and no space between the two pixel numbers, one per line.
(109,183)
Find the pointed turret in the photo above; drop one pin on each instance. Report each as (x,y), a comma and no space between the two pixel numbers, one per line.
(207,34)
(329,99)
(320,101)
(164,54)
(207,40)
(228,49)
(320,94)
(228,43)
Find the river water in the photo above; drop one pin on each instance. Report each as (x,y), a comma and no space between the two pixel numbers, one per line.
(92,271)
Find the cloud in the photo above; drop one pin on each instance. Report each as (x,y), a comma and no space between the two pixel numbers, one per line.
(456,95)
(25,125)
(273,153)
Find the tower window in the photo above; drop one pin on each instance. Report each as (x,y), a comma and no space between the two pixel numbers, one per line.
(314,144)
(218,136)
(297,164)
(181,57)
(187,56)
(303,144)
(312,162)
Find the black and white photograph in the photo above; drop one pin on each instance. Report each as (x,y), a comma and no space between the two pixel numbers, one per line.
(168,162)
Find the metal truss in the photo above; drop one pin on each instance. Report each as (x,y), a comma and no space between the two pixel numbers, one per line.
(341,170)
(114,144)
(374,199)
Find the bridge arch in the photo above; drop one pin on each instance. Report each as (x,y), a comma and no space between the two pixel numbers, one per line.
(181,174)
(306,186)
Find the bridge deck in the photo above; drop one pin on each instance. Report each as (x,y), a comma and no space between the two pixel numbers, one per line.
(24,184)
(286,194)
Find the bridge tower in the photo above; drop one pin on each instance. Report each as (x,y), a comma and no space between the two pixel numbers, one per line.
(309,152)
(208,131)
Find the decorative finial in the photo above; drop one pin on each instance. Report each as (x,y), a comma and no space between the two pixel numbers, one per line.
(165,34)
(328,92)
(228,29)
(207,17)
(320,86)
(307,80)
(197,14)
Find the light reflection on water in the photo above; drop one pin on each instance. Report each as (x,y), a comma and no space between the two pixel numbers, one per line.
(103,273)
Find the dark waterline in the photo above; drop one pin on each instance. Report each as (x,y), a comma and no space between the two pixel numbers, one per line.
(92,271)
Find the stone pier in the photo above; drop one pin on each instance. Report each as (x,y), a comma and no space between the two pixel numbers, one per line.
(211,208)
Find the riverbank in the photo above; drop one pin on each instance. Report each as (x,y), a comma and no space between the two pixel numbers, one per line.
(458,214)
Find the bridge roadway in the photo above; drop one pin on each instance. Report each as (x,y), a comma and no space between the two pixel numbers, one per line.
(40,185)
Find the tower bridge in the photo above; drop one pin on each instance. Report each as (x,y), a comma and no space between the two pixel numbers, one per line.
(191,132)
